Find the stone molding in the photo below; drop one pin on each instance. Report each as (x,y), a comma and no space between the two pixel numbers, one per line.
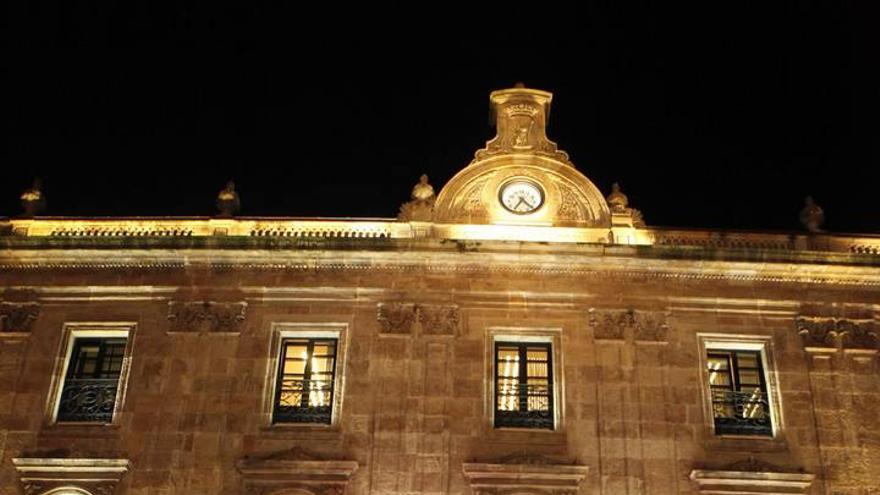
(18,317)
(400,318)
(620,325)
(829,334)
(295,469)
(525,472)
(750,476)
(206,316)
(96,476)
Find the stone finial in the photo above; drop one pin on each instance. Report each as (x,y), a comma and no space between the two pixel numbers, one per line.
(617,201)
(812,217)
(423,190)
(421,207)
(228,201)
(33,201)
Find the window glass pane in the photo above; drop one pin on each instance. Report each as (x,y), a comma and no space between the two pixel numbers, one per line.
(305,392)
(523,387)
(739,399)
(89,390)
(747,359)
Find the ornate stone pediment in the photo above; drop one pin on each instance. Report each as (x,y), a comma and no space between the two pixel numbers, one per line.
(623,324)
(97,476)
(206,316)
(295,469)
(520,473)
(521,152)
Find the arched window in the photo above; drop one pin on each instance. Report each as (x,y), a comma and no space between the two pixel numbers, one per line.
(66,490)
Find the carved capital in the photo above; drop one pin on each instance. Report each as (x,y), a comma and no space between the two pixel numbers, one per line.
(18,317)
(835,333)
(396,318)
(622,324)
(399,318)
(438,319)
(206,316)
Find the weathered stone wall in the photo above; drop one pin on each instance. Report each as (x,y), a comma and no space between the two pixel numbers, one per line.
(415,395)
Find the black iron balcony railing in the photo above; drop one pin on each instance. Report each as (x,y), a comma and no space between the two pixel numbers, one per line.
(318,396)
(533,402)
(741,413)
(88,399)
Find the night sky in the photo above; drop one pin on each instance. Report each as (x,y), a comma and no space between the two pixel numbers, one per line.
(707,118)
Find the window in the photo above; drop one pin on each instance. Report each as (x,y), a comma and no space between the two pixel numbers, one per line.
(305,384)
(92,380)
(523,385)
(738,392)
(90,374)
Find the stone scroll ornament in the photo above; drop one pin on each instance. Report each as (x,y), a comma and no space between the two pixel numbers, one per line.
(206,316)
(832,332)
(622,324)
(434,319)
(18,317)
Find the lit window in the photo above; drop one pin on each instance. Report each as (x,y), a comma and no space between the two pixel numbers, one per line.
(738,391)
(305,386)
(523,385)
(91,382)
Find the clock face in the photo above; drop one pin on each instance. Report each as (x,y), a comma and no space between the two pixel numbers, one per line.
(521,196)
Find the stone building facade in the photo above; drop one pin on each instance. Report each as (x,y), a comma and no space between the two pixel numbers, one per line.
(516,332)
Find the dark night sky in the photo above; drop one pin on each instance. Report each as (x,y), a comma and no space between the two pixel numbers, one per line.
(707,118)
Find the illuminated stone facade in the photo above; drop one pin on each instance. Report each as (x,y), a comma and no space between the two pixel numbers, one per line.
(635,360)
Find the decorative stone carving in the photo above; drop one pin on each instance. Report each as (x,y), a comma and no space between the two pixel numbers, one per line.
(438,319)
(833,332)
(421,207)
(524,473)
(295,469)
(571,205)
(435,319)
(521,120)
(396,318)
(228,201)
(18,317)
(206,316)
(97,476)
(812,216)
(619,325)
(33,201)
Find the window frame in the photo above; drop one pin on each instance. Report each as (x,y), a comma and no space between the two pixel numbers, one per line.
(286,331)
(524,335)
(307,376)
(522,349)
(89,330)
(745,343)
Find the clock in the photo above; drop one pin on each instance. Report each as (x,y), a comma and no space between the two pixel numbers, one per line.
(521,196)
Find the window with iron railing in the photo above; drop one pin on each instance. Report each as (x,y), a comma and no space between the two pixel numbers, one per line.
(305,386)
(738,390)
(523,385)
(92,380)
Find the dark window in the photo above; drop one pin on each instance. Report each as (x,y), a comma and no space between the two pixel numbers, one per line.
(739,393)
(523,385)
(306,373)
(92,379)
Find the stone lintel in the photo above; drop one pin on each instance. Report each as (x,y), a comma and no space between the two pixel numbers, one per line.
(712,482)
(319,476)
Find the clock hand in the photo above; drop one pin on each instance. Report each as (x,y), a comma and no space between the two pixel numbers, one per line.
(521,201)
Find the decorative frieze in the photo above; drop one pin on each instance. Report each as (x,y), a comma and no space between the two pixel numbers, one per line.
(622,324)
(96,476)
(295,469)
(524,473)
(18,317)
(206,316)
(399,318)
